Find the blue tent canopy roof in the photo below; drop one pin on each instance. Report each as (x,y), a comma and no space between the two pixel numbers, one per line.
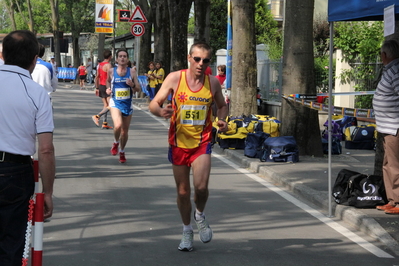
(366,10)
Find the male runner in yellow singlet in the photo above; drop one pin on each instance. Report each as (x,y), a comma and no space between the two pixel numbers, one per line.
(190,135)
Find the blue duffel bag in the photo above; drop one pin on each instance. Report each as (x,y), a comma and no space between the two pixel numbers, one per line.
(253,144)
(280,149)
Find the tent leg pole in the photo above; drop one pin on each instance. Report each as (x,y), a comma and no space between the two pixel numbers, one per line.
(330,106)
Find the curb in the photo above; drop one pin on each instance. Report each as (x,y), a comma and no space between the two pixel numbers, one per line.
(354,217)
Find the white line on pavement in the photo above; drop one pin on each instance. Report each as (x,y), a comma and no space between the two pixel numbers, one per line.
(334,225)
(328,221)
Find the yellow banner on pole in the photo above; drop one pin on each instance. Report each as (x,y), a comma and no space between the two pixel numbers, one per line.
(104,16)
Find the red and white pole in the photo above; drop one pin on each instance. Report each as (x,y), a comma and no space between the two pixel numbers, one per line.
(36,177)
(36,174)
(37,254)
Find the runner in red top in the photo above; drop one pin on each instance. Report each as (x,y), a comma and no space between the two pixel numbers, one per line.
(82,75)
(100,83)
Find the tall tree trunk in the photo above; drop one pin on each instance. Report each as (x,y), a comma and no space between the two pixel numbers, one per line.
(31,21)
(76,51)
(162,34)
(179,12)
(244,73)
(55,23)
(202,11)
(10,11)
(8,4)
(20,12)
(145,39)
(298,77)
(101,43)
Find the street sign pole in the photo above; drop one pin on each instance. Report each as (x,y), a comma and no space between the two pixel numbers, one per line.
(137,53)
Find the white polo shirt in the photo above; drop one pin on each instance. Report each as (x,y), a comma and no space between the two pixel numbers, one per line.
(25,110)
(43,74)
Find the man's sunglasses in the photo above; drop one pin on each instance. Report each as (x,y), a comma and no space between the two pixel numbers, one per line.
(204,60)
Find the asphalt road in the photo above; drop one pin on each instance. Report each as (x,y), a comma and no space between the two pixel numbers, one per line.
(112,214)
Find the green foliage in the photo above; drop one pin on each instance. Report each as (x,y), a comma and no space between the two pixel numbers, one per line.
(122,28)
(321,71)
(266,28)
(42,16)
(83,15)
(360,43)
(218,25)
(321,35)
(78,16)
(275,49)
(191,24)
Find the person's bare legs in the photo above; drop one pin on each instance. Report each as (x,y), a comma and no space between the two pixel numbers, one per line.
(182,178)
(117,120)
(201,171)
(124,134)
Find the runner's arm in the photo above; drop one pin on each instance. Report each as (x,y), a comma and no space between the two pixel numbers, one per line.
(135,80)
(110,74)
(220,103)
(168,86)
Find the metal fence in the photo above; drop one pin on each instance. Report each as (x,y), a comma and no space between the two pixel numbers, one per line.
(270,79)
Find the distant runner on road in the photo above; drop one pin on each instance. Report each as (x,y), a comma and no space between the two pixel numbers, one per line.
(122,82)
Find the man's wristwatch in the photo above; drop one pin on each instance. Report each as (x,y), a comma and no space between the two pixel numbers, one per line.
(222,119)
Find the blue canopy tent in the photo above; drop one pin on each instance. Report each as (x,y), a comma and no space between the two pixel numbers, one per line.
(350,10)
(362,10)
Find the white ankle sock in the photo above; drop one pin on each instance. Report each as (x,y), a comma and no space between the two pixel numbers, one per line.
(199,215)
(187,227)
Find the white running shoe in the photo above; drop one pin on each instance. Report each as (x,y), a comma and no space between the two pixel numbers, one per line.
(186,243)
(204,231)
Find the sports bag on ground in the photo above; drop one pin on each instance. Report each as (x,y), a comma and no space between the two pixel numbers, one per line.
(234,137)
(361,190)
(271,127)
(362,137)
(253,144)
(336,146)
(233,141)
(280,149)
(341,186)
(336,131)
(366,191)
(347,121)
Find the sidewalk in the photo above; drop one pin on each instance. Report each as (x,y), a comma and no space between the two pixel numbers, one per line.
(308,179)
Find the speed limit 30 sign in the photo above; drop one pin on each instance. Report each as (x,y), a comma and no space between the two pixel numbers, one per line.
(137,29)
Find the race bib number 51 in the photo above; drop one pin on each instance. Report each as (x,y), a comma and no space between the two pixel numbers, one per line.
(193,115)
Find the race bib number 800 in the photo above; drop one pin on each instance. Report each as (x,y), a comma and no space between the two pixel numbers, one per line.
(122,93)
(193,115)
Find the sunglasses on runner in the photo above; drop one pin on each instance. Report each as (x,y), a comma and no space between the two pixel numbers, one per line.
(204,60)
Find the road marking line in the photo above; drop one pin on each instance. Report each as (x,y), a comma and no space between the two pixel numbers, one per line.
(328,221)
(321,217)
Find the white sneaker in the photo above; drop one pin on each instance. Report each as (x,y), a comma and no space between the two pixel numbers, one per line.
(204,231)
(186,243)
